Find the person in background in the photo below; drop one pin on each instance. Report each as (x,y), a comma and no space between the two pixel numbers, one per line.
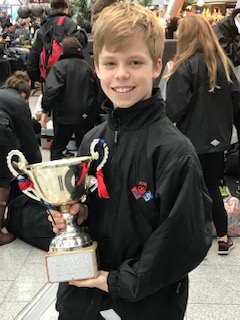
(3,19)
(153,221)
(228,33)
(171,29)
(87,26)
(16,132)
(71,91)
(70,29)
(8,34)
(23,32)
(203,94)
(98,6)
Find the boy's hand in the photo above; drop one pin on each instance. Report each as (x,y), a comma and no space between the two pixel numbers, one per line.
(100,282)
(44,120)
(59,222)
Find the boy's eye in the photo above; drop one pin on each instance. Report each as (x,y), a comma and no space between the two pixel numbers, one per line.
(109,63)
(135,62)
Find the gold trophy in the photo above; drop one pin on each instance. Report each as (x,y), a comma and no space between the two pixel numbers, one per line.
(59,184)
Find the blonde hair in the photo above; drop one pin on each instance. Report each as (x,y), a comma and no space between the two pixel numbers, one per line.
(118,23)
(19,81)
(194,33)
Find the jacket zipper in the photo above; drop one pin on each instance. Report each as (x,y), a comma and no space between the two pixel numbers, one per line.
(115,144)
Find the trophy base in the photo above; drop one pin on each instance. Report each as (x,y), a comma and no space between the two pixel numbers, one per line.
(73,265)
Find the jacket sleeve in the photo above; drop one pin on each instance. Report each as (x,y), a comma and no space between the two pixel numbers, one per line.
(229,41)
(181,240)
(53,86)
(33,59)
(26,136)
(179,89)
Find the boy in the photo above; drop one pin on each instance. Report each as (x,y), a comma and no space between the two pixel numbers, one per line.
(156,226)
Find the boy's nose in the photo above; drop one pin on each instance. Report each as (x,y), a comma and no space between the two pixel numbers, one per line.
(122,72)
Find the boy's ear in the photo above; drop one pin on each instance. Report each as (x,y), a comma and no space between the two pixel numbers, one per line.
(157,69)
(96,68)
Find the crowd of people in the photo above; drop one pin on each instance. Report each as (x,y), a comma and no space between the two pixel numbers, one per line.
(166,158)
(23,29)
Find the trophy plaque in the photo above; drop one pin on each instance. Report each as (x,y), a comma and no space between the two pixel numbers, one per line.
(58,184)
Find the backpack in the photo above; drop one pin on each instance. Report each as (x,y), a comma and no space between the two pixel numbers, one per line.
(51,46)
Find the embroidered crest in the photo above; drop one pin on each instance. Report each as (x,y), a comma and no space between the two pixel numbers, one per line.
(141,191)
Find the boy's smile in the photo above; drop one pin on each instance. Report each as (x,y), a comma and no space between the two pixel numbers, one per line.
(127,74)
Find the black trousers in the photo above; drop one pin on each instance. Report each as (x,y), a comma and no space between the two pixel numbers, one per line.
(62,136)
(212,164)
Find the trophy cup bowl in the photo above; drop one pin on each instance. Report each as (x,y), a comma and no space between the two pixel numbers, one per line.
(59,184)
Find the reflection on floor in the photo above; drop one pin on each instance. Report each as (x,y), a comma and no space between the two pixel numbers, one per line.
(214,285)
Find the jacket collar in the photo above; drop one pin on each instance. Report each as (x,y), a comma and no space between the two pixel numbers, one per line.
(57,14)
(140,115)
(72,54)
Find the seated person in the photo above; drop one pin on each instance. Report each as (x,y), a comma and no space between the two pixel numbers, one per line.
(8,36)
(16,131)
(22,33)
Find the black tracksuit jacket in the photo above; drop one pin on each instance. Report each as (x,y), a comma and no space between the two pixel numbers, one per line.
(71,91)
(206,118)
(16,125)
(149,243)
(229,38)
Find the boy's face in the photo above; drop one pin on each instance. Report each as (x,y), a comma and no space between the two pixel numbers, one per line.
(127,75)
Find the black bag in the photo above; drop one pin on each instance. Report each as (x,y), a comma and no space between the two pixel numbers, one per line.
(232,164)
(27,220)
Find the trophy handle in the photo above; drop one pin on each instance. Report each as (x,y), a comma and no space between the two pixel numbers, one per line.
(21,164)
(100,155)
(28,185)
(95,154)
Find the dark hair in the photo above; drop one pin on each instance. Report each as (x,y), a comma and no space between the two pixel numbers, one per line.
(58,5)
(7,24)
(99,5)
(87,26)
(19,81)
(70,43)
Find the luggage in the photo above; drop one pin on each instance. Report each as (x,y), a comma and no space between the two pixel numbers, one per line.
(232,206)
(27,220)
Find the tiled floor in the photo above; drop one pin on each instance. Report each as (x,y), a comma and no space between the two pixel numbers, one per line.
(214,284)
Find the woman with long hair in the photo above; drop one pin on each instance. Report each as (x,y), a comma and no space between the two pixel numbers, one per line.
(203,95)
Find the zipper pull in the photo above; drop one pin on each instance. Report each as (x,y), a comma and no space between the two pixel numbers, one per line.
(116,134)
(178,287)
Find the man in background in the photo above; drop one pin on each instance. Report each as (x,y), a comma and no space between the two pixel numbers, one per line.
(70,28)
